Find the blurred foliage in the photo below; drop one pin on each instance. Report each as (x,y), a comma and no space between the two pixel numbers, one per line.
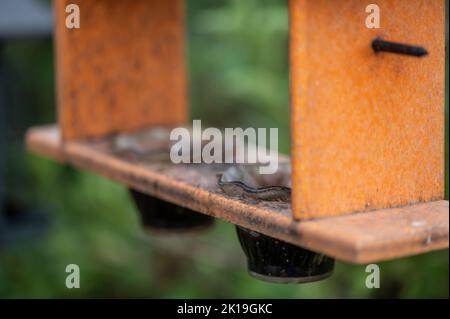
(238,61)
(238,64)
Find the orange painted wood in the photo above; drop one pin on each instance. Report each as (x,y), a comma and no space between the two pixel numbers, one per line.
(123,69)
(367,128)
(359,238)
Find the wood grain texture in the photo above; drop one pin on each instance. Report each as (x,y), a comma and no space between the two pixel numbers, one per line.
(359,238)
(367,128)
(123,69)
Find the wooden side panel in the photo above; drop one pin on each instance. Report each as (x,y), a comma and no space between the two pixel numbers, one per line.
(123,69)
(367,128)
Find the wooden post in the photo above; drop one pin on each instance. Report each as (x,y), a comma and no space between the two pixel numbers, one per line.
(123,69)
(367,128)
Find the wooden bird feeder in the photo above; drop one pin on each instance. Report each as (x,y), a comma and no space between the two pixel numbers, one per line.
(367,127)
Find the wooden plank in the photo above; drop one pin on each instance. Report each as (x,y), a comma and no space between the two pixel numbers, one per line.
(123,69)
(367,128)
(359,238)
(47,141)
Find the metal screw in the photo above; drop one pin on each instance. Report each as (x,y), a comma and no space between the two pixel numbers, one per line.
(379,45)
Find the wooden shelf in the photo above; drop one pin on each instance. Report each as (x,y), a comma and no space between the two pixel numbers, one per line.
(358,238)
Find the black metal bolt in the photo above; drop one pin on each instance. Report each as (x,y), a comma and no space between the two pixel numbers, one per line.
(380,45)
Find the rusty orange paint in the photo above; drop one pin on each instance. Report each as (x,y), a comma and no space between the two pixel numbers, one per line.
(367,129)
(123,69)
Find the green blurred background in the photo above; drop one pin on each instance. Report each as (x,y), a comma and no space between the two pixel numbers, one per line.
(238,73)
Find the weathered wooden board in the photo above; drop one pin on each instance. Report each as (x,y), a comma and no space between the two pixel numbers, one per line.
(367,128)
(123,69)
(359,238)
